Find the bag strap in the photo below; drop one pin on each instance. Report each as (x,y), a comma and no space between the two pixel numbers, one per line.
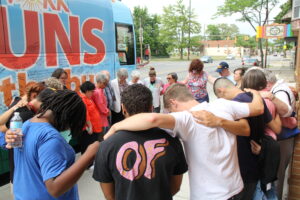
(286,94)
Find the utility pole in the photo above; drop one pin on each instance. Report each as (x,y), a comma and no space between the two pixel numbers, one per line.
(190,12)
(141,41)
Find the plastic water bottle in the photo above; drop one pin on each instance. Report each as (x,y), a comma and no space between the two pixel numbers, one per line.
(16,126)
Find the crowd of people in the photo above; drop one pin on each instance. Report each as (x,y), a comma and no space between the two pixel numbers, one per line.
(237,147)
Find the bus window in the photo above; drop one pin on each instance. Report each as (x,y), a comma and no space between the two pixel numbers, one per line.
(125,44)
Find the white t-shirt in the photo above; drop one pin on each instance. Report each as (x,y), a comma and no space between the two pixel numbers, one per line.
(155,88)
(277,90)
(211,153)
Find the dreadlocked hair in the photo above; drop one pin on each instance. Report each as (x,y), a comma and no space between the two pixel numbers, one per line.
(68,111)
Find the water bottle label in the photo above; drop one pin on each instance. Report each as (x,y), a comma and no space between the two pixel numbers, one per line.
(16,125)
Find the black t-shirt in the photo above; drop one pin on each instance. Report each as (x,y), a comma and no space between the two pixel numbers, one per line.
(247,160)
(140,164)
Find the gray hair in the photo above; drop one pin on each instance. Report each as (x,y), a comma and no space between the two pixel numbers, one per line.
(105,72)
(136,74)
(101,78)
(122,72)
(270,76)
(54,83)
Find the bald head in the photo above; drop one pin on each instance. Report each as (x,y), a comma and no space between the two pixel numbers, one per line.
(222,83)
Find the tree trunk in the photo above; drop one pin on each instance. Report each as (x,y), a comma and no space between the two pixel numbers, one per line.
(261,52)
(181,53)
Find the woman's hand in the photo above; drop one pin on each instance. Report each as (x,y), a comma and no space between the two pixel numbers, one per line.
(255,148)
(10,137)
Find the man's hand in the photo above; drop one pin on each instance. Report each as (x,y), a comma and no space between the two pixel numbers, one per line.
(206,118)
(10,137)
(266,95)
(255,148)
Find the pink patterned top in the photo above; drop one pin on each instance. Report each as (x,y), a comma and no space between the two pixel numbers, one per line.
(197,85)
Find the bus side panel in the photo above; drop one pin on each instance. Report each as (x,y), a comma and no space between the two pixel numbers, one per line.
(122,15)
(75,35)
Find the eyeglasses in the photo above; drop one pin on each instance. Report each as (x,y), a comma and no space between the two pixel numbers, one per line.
(168,78)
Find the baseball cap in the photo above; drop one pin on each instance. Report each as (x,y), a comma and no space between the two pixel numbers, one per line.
(222,65)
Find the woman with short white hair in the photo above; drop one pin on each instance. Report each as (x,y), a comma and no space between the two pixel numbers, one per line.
(118,85)
(135,77)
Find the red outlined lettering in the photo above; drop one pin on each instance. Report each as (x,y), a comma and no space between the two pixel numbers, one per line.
(87,30)
(53,28)
(32,41)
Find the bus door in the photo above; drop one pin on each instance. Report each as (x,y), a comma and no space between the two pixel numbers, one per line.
(125,47)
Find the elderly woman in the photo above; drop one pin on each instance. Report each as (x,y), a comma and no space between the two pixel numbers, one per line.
(135,77)
(101,102)
(118,85)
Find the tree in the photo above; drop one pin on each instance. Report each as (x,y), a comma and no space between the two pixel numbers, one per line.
(222,31)
(285,8)
(254,12)
(175,26)
(245,41)
(151,31)
(228,30)
(213,32)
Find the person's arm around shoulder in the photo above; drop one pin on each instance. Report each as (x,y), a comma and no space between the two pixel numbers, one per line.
(240,127)
(108,190)
(282,107)
(143,121)
(256,107)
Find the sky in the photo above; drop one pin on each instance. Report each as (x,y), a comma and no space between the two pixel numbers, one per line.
(204,9)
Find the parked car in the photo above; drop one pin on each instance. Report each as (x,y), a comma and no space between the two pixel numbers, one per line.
(207,59)
(230,57)
(250,62)
(245,58)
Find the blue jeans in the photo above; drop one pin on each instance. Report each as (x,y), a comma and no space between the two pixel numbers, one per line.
(261,195)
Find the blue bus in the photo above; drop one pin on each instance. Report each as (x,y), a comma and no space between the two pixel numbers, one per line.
(82,37)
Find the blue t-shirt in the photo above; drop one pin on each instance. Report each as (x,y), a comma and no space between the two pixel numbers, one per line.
(2,140)
(45,154)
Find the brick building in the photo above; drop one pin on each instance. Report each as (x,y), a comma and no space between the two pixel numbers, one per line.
(222,48)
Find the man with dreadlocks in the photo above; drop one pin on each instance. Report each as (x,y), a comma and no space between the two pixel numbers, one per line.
(44,166)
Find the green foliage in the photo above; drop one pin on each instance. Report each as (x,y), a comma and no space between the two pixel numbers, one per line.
(255,12)
(221,31)
(151,31)
(213,32)
(177,21)
(285,8)
(250,43)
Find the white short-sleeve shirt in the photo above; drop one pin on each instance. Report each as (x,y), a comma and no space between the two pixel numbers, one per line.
(211,152)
